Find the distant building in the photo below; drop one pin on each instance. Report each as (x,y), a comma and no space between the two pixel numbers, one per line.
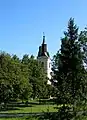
(44,57)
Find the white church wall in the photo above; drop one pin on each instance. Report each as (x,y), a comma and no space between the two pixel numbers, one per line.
(47,66)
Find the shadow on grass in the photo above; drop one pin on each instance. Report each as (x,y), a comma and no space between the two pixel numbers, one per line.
(13,107)
(44,116)
(47,101)
(19,105)
(10,108)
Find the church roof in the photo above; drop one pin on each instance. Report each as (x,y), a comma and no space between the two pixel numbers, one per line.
(43,49)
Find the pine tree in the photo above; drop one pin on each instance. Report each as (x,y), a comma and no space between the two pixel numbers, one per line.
(69,70)
(83,44)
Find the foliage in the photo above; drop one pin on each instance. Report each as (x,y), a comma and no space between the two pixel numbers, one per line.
(69,70)
(83,44)
(37,76)
(20,79)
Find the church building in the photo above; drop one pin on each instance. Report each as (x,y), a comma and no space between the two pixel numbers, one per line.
(44,57)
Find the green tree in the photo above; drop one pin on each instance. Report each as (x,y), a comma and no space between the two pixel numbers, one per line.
(15,58)
(37,78)
(25,59)
(68,69)
(83,45)
(14,79)
(26,90)
(20,80)
(5,87)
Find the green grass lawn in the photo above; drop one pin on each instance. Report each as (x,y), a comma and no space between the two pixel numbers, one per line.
(35,118)
(32,109)
(27,118)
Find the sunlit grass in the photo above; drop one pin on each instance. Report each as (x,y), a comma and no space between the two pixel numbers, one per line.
(33,109)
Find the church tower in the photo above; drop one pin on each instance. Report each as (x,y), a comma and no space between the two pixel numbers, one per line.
(44,57)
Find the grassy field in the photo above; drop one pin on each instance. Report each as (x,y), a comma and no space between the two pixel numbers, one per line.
(32,109)
(33,118)
(27,118)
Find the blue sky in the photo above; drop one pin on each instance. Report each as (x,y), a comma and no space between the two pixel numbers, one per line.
(22,23)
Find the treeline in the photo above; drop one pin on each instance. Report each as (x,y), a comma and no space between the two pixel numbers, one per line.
(21,79)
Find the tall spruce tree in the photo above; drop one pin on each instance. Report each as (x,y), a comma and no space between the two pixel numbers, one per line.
(83,44)
(69,70)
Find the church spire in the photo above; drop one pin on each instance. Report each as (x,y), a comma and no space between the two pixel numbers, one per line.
(43,38)
(43,48)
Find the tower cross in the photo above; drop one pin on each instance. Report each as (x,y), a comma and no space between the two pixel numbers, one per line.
(43,38)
